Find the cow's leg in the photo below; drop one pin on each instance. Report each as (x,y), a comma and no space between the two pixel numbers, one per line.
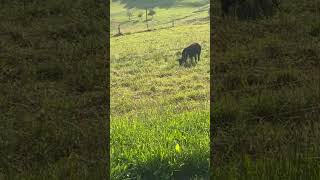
(194,59)
(185,60)
(187,57)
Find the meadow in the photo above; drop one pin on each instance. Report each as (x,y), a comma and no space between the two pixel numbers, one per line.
(160,110)
(181,12)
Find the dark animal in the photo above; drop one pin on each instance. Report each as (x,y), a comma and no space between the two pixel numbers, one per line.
(192,51)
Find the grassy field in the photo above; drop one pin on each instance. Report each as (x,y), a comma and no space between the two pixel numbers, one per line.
(267,93)
(53,89)
(159,110)
(181,11)
(53,94)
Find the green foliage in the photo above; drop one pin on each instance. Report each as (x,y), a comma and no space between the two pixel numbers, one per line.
(129,14)
(151,12)
(140,14)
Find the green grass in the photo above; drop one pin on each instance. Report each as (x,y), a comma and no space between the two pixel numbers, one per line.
(180,11)
(157,105)
(146,148)
(52,103)
(52,90)
(266,80)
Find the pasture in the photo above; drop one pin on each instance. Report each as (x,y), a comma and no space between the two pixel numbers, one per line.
(159,110)
(181,11)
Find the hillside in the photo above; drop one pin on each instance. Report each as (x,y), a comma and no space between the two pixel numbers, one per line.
(160,110)
(155,105)
(179,11)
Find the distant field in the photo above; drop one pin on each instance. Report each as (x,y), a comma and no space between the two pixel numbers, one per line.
(180,11)
(159,111)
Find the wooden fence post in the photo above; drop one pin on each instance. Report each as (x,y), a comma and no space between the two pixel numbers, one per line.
(119,31)
(147,18)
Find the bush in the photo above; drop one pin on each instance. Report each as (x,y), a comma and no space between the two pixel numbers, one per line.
(151,12)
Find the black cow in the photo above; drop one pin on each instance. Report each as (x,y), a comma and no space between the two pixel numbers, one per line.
(192,51)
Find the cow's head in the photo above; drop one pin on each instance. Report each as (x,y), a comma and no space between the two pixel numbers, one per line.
(180,61)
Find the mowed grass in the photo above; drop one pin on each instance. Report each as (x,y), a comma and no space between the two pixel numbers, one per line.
(159,110)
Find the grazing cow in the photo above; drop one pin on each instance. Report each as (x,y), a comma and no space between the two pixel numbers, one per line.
(192,51)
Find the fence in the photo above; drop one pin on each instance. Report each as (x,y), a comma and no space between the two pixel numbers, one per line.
(135,26)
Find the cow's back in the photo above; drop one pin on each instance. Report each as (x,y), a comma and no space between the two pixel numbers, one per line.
(196,48)
(191,51)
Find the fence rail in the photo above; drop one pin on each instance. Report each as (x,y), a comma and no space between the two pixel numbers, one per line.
(134,26)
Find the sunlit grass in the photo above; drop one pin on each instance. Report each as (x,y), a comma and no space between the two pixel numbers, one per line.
(159,110)
(182,10)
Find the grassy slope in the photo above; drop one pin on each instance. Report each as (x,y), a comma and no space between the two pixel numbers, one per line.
(155,105)
(52,90)
(267,95)
(162,18)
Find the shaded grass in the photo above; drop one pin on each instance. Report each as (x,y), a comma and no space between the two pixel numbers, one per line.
(53,99)
(266,110)
(293,167)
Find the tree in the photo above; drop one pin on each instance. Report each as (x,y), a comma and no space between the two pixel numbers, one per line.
(152,12)
(140,15)
(129,14)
